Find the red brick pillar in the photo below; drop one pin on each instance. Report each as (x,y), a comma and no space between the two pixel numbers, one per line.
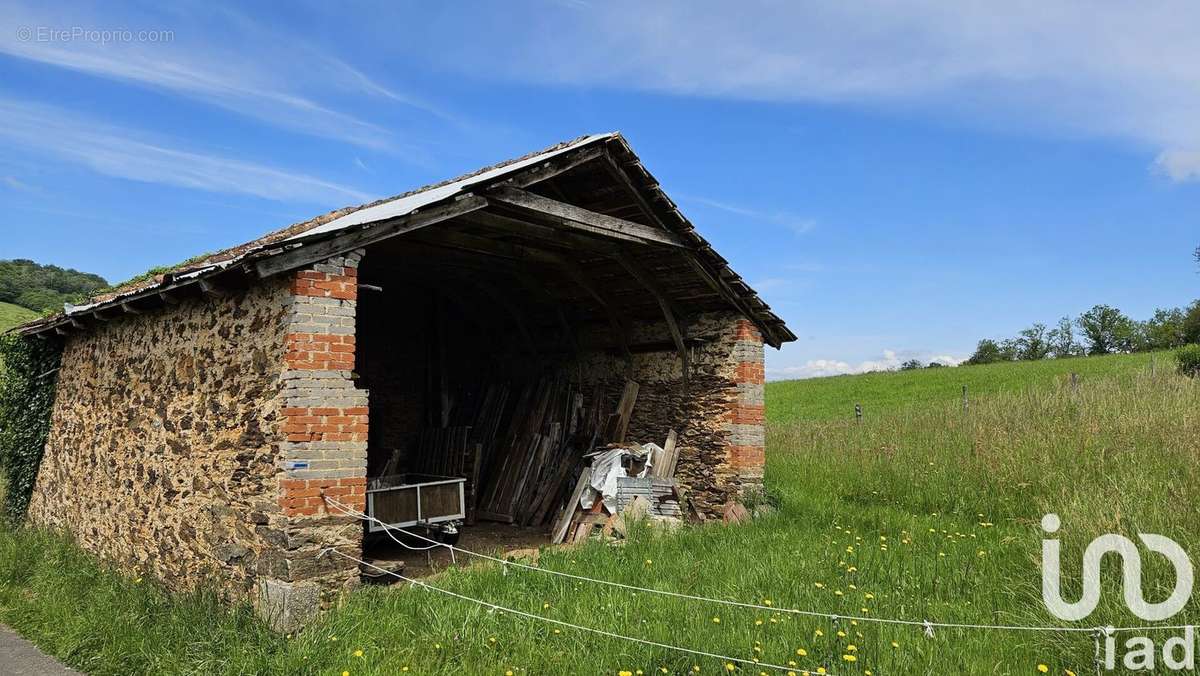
(324,453)
(747,437)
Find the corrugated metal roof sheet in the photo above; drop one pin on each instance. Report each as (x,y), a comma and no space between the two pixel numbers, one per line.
(404,205)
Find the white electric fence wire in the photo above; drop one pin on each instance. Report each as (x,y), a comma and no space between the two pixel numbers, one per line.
(926,625)
(561,623)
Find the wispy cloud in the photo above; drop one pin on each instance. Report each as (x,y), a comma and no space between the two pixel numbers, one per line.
(797,224)
(253,70)
(888,361)
(122,153)
(14,183)
(1120,70)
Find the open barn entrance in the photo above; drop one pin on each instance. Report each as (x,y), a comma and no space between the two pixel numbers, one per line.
(548,338)
(478,395)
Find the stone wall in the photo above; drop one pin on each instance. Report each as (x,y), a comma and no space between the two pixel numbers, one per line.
(717,413)
(162,453)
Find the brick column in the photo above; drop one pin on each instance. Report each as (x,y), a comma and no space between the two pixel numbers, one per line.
(747,437)
(324,452)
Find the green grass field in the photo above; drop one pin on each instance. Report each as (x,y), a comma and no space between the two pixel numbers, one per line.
(919,512)
(12,315)
(890,392)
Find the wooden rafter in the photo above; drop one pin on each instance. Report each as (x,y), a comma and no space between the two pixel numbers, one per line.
(570,216)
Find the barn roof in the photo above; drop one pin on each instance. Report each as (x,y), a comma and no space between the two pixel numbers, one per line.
(645,216)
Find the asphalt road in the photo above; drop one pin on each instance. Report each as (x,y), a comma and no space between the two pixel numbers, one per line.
(19,657)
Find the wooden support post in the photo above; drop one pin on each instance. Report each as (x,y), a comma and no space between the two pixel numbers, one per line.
(858,413)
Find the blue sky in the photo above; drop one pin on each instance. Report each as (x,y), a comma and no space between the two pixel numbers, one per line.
(895,180)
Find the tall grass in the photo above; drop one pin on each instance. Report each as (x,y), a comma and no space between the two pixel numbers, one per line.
(888,393)
(926,514)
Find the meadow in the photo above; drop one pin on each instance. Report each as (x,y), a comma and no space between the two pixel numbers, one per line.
(921,512)
(13,315)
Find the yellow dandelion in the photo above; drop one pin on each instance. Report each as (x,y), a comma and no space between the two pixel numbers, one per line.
(1043,668)
(1068,672)
(358,653)
(801,652)
(558,631)
(819,633)
(345,673)
(851,648)
(332,638)
(868,596)
(819,585)
(729,666)
(766,602)
(758,623)
(841,634)
(850,658)
(716,620)
(663,669)
(545,606)
(895,644)
(649,562)
(625,673)
(508,673)
(695,668)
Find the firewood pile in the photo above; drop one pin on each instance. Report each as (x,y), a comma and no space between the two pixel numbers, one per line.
(532,454)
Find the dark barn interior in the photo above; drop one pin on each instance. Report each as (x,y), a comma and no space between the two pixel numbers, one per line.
(496,346)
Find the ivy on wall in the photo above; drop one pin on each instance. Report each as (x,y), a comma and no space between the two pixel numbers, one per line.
(27,380)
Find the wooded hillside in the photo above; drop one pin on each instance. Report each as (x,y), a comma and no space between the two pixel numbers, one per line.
(45,287)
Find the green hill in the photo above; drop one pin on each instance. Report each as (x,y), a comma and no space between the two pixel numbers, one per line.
(45,287)
(887,392)
(12,315)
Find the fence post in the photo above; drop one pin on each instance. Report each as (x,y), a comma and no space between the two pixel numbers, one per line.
(1074,383)
(966,402)
(858,413)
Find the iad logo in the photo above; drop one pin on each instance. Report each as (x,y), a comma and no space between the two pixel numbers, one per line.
(1177,653)
(1131,567)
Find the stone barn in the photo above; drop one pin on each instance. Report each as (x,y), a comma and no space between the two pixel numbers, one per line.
(204,418)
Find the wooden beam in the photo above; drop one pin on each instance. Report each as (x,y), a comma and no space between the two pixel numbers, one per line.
(555,166)
(571,216)
(669,313)
(129,309)
(168,298)
(308,253)
(61,331)
(210,289)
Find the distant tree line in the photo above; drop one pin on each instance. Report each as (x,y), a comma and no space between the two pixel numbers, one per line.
(45,287)
(1101,330)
